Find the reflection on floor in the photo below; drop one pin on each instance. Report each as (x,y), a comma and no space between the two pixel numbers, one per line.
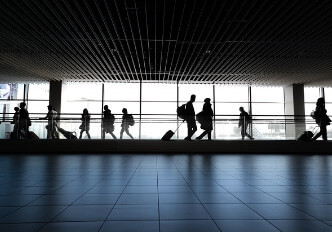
(87,193)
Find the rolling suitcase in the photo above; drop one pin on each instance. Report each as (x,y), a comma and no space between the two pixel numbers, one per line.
(169,134)
(307,135)
(67,134)
(32,135)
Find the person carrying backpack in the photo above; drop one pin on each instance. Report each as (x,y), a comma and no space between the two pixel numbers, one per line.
(190,117)
(127,120)
(205,119)
(244,121)
(108,122)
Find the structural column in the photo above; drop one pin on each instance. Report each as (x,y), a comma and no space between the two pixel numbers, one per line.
(294,107)
(55,95)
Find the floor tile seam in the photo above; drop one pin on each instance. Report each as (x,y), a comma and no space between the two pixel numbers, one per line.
(313,220)
(119,197)
(317,219)
(289,204)
(21,207)
(211,218)
(85,193)
(67,206)
(283,202)
(326,203)
(159,224)
(247,204)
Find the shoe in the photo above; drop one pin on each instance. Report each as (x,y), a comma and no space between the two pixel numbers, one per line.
(188,139)
(197,138)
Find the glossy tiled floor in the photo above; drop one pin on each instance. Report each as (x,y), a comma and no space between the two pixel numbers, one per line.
(113,193)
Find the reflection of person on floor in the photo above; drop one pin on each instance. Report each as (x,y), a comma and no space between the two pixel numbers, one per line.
(125,123)
(190,117)
(108,122)
(85,126)
(321,119)
(206,116)
(244,122)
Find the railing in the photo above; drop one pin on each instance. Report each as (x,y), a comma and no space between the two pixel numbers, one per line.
(154,126)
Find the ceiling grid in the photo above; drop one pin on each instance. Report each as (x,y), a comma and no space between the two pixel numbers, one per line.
(245,42)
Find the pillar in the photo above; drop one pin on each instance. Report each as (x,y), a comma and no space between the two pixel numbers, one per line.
(55,95)
(294,106)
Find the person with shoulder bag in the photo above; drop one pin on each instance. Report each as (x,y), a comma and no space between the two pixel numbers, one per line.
(205,118)
(321,119)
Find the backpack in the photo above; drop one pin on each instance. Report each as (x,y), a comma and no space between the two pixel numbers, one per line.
(131,120)
(182,111)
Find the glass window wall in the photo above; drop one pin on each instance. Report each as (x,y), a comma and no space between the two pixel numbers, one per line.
(228,100)
(268,112)
(123,95)
(310,97)
(76,97)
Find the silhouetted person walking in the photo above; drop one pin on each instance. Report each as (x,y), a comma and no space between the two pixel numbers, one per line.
(51,123)
(108,122)
(85,126)
(244,122)
(24,121)
(321,119)
(205,118)
(190,118)
(15,134)
(126,121)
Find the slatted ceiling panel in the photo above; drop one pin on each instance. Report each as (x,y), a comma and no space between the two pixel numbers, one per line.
(198,41)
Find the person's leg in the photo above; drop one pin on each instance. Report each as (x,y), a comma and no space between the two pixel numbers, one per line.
(127,132)
(242,132)
(194,128)
(81,133)
(246,133)
(209,134)
(49,134)
(188,130)
(324,132)
(121,132)
(87,132)
(113,135)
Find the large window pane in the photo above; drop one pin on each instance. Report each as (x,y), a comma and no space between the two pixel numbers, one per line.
(10,96)
(158,109)
(228,93)
(38,100)
(268,112)
(267,94)
(76,97)
(123,95)
(201,91)
(310,97)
